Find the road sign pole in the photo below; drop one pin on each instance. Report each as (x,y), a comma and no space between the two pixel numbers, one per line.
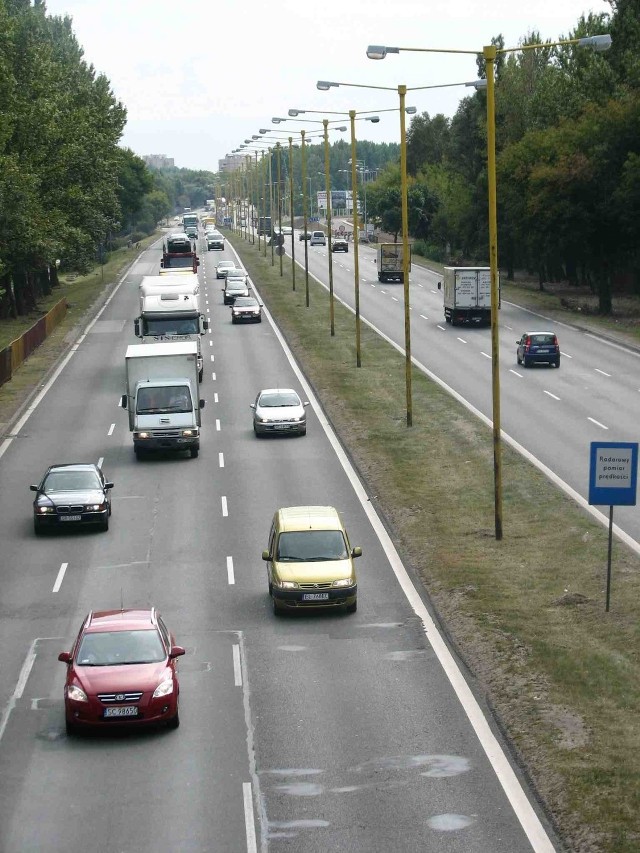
(609,557)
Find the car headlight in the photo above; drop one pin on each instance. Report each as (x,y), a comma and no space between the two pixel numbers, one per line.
(286,584)
(164,688)
(141,435)
(95,507)
(76,693)
(45,510)
(189,432)
(343,582)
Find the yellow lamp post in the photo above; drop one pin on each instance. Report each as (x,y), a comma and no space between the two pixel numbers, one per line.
(489,53)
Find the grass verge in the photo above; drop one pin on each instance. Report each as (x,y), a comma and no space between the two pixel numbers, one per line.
(526,614)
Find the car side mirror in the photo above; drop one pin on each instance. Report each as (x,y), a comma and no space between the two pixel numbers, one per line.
(123,401)
(176,652)
(202,402)
(205,325)
(356,552)
(306,403)
(33,488)
(136,327)
(251,406)
(266,555)
(108,485)
(65,657)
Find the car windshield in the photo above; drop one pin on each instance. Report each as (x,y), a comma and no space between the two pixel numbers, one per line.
(225,265)
(120,648)
(154,401)
(171,326)
(245,302)
(279,398)
(71,481)
(311,545)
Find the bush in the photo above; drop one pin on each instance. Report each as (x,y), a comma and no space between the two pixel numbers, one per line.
(429,251)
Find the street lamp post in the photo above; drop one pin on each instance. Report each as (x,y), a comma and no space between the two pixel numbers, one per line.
(327,184)
(293,242)
(489,52)
(281,250)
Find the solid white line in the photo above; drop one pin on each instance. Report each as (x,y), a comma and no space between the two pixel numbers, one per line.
(19,688)
(248,818)
(217,425)
(597,423)
(237,669)
(551,395)
(221,460)
(100,462)
(225,511)
(59,579)
(597,370)
(231,578)
(111,429)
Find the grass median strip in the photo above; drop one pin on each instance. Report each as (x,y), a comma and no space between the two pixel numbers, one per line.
(527,614)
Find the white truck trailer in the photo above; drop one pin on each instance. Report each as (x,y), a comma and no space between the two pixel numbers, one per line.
(162,397)
(467,295)
(389,262)
(169,314)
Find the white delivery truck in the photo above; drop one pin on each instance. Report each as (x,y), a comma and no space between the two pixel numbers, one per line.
(467,295)
(171,315)
(389,262)
(179,283)
(162,396)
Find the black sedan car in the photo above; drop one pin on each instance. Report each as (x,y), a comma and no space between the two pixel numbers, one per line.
(246,309)
(339,244)
(72,494)
(235,286)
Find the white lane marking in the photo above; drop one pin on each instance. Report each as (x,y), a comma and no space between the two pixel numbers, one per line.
(221,460)
(225,510)
(215,398)
(462,340)
(420,285)
(610,344)
(515,372)
(551,395)
(248,817)
(59,579)
(394,298)
(434,291)
(485,354)
(20,685)
(383,291)
(213,358)
(504,326)
(213,376)
(237,669)
(442,328)
(597,370)
(210,343)
(101,462)
(505,774)
(597,423)
(111,429)
(566,354)
(423,317)
(217,424)
(208,309)
(231,578)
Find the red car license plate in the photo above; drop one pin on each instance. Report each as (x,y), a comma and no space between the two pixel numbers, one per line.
(123,711)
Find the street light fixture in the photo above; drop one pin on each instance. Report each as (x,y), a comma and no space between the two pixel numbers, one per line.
(598,43)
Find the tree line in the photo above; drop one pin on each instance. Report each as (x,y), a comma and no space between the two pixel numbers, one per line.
(568,164)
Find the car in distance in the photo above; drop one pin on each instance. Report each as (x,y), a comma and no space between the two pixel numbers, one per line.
(310,560)
(304,235)
(339,244)
(70,494)
(122,670)
(223,267)
(318,238)
(538,348)
(246,309)
(287,230)
(236,284)
(215,240)
(279,410)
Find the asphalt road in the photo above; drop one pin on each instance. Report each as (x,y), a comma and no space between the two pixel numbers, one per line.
(313,733)
(553,414)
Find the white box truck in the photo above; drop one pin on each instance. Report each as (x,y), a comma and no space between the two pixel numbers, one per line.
(162,397)
(467,295)
(179,283)
(171,315)
(389,262)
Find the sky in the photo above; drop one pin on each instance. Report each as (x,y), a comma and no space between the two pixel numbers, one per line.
(198,78)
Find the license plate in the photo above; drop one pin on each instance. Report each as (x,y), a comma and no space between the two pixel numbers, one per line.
(70,518)
(281,426)
(123,711)
(542,349)
(315,596)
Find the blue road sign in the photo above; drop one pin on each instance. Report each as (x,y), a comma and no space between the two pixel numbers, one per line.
(613,473)
(227,220)
(314,219)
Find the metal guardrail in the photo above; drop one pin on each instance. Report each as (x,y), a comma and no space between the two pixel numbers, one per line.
(12,356)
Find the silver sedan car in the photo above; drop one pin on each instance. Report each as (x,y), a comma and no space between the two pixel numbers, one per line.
(279,411)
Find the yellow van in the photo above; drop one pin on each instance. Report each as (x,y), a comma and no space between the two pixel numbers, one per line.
(310,561)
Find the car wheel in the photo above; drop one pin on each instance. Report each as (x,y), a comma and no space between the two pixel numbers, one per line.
(105,525)
(525,362)
(277,610)
(174,722)
(194,452)
(351,608)
(518,359)
(303,432)
(256,433)
(200,375)
(557,362)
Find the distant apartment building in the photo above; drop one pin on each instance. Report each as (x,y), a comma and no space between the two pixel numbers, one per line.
(231,162)
(158,161)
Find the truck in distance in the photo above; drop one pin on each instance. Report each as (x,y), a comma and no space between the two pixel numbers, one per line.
(162,397)
(467,295)
(171,316)
(389,262)
(178,253)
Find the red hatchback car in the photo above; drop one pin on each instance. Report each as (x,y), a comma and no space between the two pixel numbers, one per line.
(122,669)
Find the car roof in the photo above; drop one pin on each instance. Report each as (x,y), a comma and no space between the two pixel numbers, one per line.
(121,620)
(309,518)
(74,466)
(541,332)
(279,391)
(225,264)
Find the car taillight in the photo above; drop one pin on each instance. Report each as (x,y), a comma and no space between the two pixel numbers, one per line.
(527,343)
(555,342)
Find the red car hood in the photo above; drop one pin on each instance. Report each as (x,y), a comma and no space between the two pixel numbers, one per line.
(116,679)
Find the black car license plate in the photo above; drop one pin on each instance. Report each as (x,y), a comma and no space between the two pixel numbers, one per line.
(122,711)
(70,518)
